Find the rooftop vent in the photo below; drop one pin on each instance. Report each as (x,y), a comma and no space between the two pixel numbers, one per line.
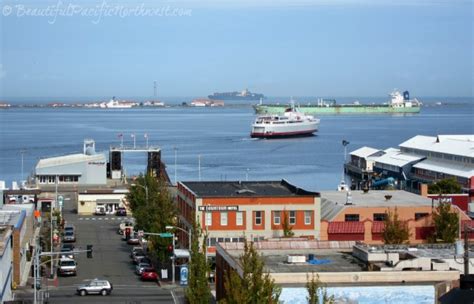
(296,258)
(243,191)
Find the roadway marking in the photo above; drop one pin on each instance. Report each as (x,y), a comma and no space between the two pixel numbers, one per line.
(93,218)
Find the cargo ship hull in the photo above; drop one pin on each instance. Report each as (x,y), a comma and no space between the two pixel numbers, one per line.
(338,109)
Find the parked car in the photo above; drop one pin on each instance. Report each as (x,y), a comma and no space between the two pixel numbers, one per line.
(100,210)
(69,236)
(67,267)
(134,249)
(137,256)
(121,211)
(149,274)
(69,227)
(66,251)
(143,260)
(141,266)
(133,240)
(96,286)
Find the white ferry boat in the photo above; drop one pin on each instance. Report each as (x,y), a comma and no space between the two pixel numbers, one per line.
(291,123)
(115,104)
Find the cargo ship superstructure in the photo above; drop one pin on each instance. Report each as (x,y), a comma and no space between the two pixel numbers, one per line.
(243,95)
(399,103)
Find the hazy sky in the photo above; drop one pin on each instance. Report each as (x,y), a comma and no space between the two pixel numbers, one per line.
(279,48)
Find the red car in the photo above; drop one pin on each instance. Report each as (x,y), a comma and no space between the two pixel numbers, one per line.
(149,274)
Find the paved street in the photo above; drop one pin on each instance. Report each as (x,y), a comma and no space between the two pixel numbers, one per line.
(110,261)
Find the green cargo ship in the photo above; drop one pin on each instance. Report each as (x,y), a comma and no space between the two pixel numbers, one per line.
(399,104)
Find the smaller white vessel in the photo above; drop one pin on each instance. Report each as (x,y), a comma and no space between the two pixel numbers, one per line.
(115,104)
(291,123)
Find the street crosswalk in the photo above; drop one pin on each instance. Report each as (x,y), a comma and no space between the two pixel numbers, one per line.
(98,218)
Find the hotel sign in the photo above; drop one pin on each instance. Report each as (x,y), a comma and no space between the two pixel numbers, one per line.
(218,208)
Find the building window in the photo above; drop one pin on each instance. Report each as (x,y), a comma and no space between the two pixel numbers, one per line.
(351,218)
(276,218)
(258,217)
(307,217)
(223,218)
(420,215)
(239,218)
(292,217)
(380,217)
(208,219)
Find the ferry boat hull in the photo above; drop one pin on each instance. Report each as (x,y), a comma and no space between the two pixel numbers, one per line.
(263,130)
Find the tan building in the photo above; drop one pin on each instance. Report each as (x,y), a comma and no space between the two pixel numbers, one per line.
(110,199)
(359,215)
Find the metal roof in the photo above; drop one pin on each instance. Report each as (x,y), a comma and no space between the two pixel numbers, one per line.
(364,152)
(246,189)
(330,209)
(68,159)
(395,158)
(346,227)
(462,145)
(446,168)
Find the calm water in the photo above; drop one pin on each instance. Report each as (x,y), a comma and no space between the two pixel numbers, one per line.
(220,136)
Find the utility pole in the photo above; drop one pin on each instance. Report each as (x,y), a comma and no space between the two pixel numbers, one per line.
(175,165)
(51,222)
(199,166)
(22,152)
(467,229)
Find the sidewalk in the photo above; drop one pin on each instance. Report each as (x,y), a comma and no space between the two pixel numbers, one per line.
(178,293)
(26,271)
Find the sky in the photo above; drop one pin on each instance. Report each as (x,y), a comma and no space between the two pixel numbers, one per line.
(97,48)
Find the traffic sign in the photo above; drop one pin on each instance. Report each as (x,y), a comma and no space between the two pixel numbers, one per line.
(165,235)
(141,233)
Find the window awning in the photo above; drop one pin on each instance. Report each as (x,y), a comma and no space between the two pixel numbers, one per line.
(346,227)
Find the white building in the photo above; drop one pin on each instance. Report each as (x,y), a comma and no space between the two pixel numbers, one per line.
(87,168)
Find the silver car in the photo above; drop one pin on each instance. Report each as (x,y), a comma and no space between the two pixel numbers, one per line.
(96,286)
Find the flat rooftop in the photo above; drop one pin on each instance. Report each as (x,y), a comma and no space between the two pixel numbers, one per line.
(246,189)
(376,198)
(328,256)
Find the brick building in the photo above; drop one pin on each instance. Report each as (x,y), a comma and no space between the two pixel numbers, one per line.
(230,211)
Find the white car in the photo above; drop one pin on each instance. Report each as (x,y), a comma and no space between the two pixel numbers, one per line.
(96,286)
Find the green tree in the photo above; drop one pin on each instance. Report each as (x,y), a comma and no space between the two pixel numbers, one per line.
(153,209)
(445,186)
(198,290)
(287,228)
(395,231)
(316,290)
(446,224)
(254,286)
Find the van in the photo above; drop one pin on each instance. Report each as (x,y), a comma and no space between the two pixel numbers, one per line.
(67,267)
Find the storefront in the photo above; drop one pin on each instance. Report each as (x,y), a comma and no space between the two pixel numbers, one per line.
(110,205)
(87,202)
